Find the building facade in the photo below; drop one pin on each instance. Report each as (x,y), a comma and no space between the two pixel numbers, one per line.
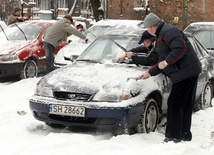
(177,12)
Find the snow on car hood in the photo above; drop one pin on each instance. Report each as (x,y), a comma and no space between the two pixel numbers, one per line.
(104,80)
(10,47)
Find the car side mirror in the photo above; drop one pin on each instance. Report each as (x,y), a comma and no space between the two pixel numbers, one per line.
(73,58)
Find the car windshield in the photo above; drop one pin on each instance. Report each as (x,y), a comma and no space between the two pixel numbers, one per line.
(206,37)
(97,31)
(21,32)
(108,48)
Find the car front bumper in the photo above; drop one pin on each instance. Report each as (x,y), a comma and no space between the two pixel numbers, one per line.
(110,118)
(10,69)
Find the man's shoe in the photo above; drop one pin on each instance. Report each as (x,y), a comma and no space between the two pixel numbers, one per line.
(187,136)
(175,140)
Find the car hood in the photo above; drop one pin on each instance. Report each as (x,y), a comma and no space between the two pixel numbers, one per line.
(105,81)
(11,47)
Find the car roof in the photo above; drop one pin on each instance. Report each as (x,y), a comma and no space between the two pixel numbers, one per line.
(196,26)
(202,23)
(113,22)
(41,21)
(188,34)
(128,32)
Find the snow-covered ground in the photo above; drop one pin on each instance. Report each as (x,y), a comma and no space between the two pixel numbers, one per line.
(21,134)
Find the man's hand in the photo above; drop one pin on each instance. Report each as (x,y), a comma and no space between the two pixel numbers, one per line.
(122,58)
(129,54)
(86,40)
(21,19)
(162,64)
(145,75)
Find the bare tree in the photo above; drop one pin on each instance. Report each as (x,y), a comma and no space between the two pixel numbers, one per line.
(73,7)
(95,4)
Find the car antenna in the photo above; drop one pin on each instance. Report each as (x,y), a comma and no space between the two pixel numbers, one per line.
(4,32)
(21,31)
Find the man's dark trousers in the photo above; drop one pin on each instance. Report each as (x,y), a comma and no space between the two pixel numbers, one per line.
(180,107)
(49,53)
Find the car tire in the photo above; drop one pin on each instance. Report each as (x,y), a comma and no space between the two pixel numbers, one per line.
(30,69)
(149,117)
(205,100)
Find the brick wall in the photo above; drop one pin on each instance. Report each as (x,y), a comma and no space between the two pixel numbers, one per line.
(121,9)
(168,10)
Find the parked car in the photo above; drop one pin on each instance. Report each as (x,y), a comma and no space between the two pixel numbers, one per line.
(22,52)
(98,92)
(77,46)
(204,32)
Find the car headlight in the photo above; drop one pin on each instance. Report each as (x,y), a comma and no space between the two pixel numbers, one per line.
(42,91)
(9,57)
(114,97)
(106,97)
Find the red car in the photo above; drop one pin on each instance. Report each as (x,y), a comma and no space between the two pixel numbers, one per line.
(21,51)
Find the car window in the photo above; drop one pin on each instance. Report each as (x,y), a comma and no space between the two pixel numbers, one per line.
(206,37)
(106,48)
(133,43)
(96,31)
(200,51)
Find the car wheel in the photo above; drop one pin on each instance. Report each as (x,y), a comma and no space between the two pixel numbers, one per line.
(30,69)
(149,117)
(205,99)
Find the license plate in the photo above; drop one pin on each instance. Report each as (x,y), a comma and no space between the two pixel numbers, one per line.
(67,110)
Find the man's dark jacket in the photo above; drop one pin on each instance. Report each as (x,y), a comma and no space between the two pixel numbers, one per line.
(144,56)
(174,47)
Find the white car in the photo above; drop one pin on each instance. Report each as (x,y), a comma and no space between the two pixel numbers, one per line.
(77,46)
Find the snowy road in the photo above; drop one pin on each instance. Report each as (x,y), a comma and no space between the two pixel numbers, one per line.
(23,135)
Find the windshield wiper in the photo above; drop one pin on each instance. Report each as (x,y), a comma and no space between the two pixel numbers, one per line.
(89,60)
(21,31)
(118,45)
(4,32)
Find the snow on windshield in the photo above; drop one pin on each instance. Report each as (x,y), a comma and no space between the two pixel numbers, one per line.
(21,32)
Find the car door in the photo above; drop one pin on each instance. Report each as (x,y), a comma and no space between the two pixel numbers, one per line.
(204,59)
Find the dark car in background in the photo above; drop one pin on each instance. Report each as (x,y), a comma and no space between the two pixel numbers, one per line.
(21,52)
(98,92)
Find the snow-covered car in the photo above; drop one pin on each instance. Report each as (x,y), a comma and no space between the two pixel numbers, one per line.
(204,32)
(22,52)
(98,92)
(77,46)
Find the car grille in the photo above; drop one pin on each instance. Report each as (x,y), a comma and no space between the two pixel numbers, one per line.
(72,96)
(72,119)
(101,121)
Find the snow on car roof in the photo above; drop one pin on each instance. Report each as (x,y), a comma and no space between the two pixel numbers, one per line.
(202,23)
(113,22)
